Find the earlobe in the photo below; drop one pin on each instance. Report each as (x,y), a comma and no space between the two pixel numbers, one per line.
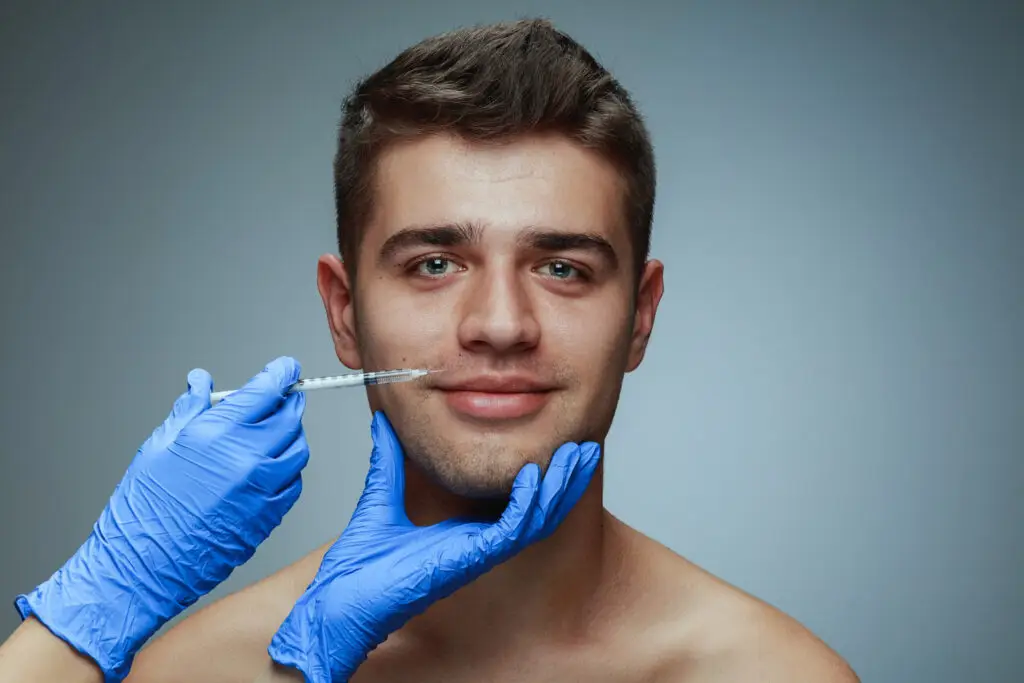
(332,281)
(652,286)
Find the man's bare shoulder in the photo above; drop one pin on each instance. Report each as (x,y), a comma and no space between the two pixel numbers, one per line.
(226,642)
(747,640)
(711,631)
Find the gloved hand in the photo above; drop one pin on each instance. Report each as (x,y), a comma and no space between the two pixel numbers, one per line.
(207,487)
(383,570)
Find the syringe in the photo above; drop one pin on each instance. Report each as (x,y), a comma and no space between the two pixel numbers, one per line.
(355,379)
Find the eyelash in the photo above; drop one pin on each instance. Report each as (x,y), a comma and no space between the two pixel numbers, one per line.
(426,259)
(581,274)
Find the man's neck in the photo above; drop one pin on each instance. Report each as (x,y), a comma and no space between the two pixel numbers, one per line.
(541,594)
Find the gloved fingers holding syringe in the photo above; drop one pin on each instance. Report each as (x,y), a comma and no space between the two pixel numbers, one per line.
(213,481)
(205,489)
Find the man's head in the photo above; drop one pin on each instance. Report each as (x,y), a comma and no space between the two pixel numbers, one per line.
(494,188)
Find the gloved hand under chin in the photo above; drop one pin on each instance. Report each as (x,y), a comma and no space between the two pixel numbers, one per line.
(383,570)
(206,488)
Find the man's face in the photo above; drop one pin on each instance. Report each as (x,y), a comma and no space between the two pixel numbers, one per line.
(509,268)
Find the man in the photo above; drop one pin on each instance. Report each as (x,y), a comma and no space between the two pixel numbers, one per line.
(495,190)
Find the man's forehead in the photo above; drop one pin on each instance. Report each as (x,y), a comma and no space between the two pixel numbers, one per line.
(548,184)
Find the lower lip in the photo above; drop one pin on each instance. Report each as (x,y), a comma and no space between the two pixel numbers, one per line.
(488,406)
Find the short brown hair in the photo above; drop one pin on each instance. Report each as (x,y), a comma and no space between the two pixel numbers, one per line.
(491,83)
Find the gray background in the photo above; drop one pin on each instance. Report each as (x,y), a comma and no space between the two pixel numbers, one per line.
(831,415)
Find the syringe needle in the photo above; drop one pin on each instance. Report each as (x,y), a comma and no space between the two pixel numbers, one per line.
(355,379)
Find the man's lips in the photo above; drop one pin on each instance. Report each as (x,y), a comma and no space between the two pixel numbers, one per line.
(493,397)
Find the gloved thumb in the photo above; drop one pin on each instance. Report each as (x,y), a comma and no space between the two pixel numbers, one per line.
(200,386)
(263,394)
(186,407)
(195,399)
(385,482)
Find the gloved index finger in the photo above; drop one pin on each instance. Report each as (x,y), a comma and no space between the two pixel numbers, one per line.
(579,480)
(263,394)
(503,537)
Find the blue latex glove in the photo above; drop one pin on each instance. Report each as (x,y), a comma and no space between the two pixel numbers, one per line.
(383,570)
(207,487)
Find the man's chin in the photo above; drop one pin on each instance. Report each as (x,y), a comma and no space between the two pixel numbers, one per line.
(479,464)
(475,483)
(476,472)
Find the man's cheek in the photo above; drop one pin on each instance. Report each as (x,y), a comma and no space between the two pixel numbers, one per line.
(424,326)
(404,344)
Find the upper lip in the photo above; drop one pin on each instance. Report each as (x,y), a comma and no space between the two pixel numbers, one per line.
(494,384)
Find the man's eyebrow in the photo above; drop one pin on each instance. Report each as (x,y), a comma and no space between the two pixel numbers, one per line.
(553,240)
(447,235)
(459,234)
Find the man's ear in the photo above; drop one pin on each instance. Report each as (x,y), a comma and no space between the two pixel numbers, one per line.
(652,286)
(336,291)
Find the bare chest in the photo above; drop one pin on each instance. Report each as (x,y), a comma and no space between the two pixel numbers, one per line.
(512,674)
(590,666)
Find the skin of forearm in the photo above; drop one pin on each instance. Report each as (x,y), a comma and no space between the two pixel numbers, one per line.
(34,655)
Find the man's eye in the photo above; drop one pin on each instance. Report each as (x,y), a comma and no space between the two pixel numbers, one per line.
(434,267)
(560,270)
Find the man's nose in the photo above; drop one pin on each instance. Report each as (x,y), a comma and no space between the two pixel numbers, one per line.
(498,316)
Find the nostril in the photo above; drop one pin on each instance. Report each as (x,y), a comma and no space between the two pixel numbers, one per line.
(498,315)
